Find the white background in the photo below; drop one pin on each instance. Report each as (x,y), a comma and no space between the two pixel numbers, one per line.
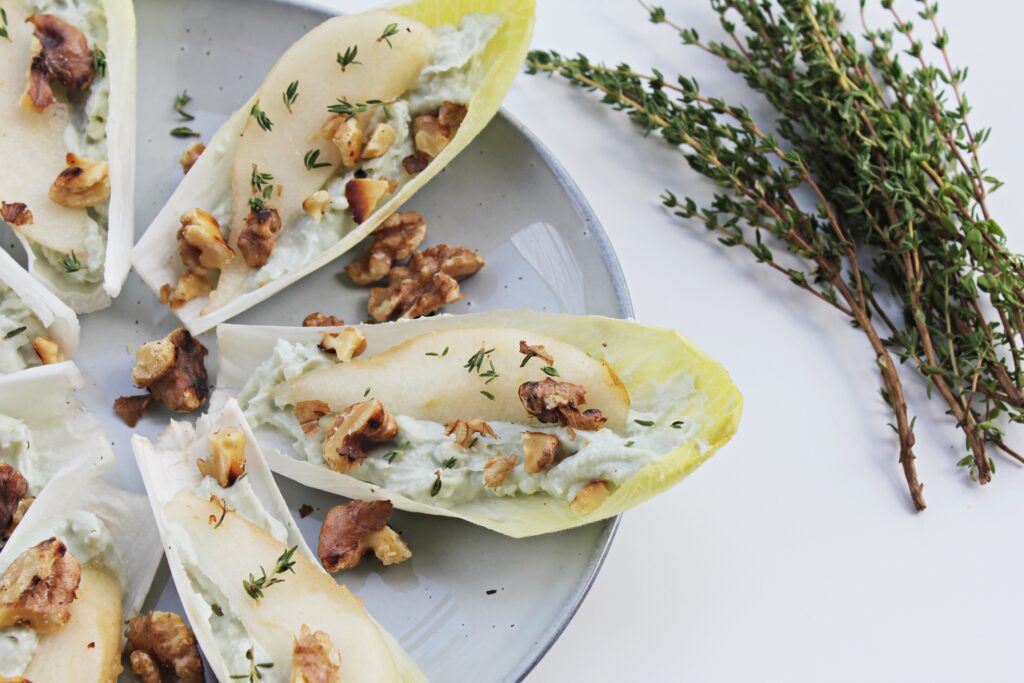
(794,554)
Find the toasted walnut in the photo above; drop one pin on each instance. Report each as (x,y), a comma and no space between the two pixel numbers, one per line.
(429,136)
(227,457)
(19,513)
(13,489)
(589,498)
(411,298)
(47,350)
(315,659)
(350,530)
(308,413)
(259,236)
(162,648)
(316,203)
(320,320)
(201,244)
(539,451)
(395,240)
(346,132)
(131,408)
(535,351)
(360,425)
(381,139)
(553,401)
(84,183)
(189,286)
(173,369)
(455,262)
(15,213)
(191,155)
(415,163)
(363,195)
(451,115)
(62,54)
(38,587)
(346,344)
(465,429)
(497,468)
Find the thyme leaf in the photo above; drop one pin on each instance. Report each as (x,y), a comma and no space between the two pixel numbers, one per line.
(261,117)
(255,586)
(15,332)
(184,132)
(389,31)
(180,102)
(70,263)
(311,160)
(99,59)
(349,57)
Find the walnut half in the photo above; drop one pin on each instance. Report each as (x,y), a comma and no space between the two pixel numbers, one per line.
(13,489)
(60,53)
(497,468)
(84,183)
(553,401)
(350,530)
(539,451)
(162,648)
(15,213)
(395,240)
(200,243)
(360,425)
(315,659)
(589,498)
(318,319)
(38,587)
(227,457)
(465,429)
(47,350)
(173,370)
(259,236)
(346,345)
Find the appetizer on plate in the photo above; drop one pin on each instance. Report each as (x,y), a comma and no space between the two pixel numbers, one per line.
(43,433)
(80,563)
(67,100)
(36,328)
(253,591)
(521,422)
(350,122)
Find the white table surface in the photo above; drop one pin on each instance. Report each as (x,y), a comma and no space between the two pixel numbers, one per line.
(794,554)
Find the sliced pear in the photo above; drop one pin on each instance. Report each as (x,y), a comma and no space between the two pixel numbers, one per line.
(32,147)
(385,72)
(90,643)
(308,597)
(441,388)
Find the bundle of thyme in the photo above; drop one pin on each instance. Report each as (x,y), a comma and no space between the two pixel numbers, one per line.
(871,181)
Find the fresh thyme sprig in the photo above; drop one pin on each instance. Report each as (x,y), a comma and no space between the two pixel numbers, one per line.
(180,102)
(254,669)
(476,361)
(290,95)
(261,117)
(389,31)
(3,24)
(394,453)
(255,586)
(881,142)
(262,183)
(99,60)
(70,263)
(350,109)
(348,58)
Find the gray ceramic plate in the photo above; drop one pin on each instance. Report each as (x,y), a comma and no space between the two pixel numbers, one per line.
(471,605)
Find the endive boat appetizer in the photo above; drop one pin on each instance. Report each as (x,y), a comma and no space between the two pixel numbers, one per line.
(521,422)
(67,100)
(36,328)
(352,120)
(79,565)
(43,432)
(252,589)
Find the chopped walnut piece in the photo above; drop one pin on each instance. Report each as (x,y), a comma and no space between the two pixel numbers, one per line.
(191,155)
(315,659)
(19,513)
(429,136)
(539,451)
(189,286)
(346,132)
(47,350)
(38,586)
(350,530)
(497,468)
(84,183)
(13,489)
(395,240)
(60,53)
(465,429)
(415,163)
(346,344)
(363,195)
(259,236)
(381,139)
(589,498)
(173,369)
(316,203)
(320,320)
(15,213)
(308,413)
(131,408)
(538,351)
(227,457)
(161,647)
(201,244)
(554,401)
(412,298)
(451,115)
(455,262)
(360,425)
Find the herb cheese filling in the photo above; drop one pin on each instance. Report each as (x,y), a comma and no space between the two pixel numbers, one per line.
(18,327)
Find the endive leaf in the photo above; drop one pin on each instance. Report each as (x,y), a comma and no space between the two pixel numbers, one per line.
(664,374)
(155,256)
(60,322)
